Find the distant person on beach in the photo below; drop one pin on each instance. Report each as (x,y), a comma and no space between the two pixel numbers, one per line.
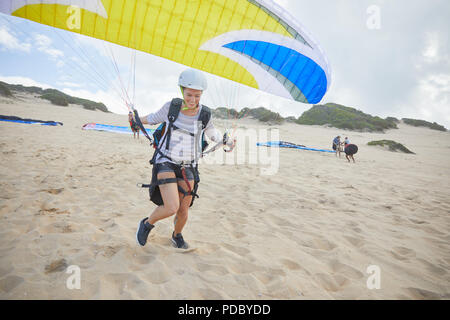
(350,150)
(337,145)
(346,141)
(133,125)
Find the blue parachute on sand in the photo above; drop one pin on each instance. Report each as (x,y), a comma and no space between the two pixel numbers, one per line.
(29,121)
(109,128)
(284,144)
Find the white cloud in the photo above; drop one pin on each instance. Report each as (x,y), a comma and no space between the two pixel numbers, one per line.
(28,82)
(9,41)
(44,44)
(432,99)
(431,50)
(71,84)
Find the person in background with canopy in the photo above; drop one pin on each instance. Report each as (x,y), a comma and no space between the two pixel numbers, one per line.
(175,162)
(346,141)
(337,145)
(133,125)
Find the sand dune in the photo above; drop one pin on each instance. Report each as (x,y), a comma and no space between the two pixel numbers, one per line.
(310,231)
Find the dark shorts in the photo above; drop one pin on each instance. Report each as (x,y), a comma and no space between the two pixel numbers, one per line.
(165,167)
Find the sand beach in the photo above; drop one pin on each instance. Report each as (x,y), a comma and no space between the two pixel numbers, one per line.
(311,228)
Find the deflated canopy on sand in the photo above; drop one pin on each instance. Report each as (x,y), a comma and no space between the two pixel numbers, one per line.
(109,128)
(251,42)
(284,144)
(29,121)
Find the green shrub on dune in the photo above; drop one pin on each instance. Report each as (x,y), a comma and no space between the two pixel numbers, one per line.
(390,145)
(343,117)
(4,91)
(392,119)
(423,123)
(21,88)
(55,98)
(262,114)
(62,99)
(224,113)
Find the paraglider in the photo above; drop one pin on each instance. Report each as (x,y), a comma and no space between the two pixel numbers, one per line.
(254,43)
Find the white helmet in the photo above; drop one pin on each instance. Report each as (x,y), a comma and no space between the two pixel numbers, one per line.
(192,79)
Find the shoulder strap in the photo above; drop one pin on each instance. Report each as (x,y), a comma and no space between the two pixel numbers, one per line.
(205,116)
(174,111)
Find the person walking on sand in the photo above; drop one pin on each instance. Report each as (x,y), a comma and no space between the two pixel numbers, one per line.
(350,150)
(175,175)
(346,142)
(337,145)
(133,125)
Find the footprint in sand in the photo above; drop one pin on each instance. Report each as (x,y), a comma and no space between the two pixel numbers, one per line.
(159,276)
(417,221)
(402,253)
(291,265)
(421,294)
(56,266)
(244,267)
(119,283)
(331,283)
(281,222)
(144,259)
(206,293)
(50,211)
(356,242)
(267,277)
(111,250)
(214,268)
(353,225)
(238,250)
(58,227)
(238,234)
(344,270)
(432,231)
(4,270)
(320,244)
(10,282)
(433,268)
(53,191)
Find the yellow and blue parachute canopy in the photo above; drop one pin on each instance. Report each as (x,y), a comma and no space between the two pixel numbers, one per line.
(252,42)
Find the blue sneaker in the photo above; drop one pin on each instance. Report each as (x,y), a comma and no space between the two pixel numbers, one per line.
(143,231)
(178,241)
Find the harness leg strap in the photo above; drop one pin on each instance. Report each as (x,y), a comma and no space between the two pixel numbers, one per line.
(181,190)
(166,181)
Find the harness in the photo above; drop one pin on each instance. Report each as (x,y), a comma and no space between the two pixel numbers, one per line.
(161,142)
(133,125)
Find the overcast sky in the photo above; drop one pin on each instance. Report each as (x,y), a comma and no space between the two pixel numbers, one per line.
(388,58)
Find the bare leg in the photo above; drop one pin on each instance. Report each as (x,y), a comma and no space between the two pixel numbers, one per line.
(185,202)
(169,193)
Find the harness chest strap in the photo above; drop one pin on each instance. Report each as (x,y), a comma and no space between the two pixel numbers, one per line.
(174,111)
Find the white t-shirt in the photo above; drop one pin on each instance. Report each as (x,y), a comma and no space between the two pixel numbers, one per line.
(183,146)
